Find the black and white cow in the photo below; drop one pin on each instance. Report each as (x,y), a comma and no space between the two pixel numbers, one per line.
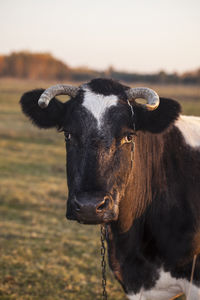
(150,203)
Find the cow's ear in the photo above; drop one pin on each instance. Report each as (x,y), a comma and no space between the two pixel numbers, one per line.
(51,116)
(160,119)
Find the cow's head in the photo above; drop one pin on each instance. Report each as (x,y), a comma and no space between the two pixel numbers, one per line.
(99,123)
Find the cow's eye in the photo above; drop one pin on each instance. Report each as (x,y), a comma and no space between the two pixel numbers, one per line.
(67,136)
(128,138)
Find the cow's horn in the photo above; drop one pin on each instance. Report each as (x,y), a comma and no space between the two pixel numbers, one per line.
(145,93)
(55,90)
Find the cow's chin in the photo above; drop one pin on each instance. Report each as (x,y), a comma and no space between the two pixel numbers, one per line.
(94,220)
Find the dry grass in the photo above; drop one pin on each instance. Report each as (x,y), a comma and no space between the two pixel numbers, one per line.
(44,256)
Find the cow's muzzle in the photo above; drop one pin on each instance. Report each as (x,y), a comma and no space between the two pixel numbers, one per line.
(92,208)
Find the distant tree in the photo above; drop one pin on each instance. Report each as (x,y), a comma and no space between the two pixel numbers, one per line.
(44,66)
(109,72)
(84,74)
(2,65)
(191,77)
(34,66)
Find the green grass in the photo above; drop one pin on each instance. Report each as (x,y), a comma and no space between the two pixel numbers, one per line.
(42,255)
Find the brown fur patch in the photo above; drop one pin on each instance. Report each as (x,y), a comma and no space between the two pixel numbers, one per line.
(147,173)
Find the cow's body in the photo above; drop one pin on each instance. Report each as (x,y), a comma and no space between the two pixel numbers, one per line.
(152,208)
(154,257)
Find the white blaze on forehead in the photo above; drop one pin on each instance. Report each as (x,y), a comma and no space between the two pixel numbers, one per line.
(97,104)
(190,129)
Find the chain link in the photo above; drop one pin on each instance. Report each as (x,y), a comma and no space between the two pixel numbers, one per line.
(103,262)
(132,113)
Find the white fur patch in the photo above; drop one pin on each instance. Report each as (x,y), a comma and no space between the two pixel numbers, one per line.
(190,129)
(166,288)
(97,104)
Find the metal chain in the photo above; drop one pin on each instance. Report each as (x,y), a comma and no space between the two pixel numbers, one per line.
(132,113)
(132,153)
(133,143)
(103,262)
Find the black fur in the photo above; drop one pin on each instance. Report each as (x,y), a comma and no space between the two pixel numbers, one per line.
(52,116)
(107,87)
(160,119)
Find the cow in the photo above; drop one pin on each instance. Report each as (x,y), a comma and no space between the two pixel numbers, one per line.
(136,168)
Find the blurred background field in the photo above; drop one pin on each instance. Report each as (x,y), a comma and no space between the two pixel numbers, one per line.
(42,255)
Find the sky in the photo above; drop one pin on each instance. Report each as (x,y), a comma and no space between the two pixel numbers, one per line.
(130,35)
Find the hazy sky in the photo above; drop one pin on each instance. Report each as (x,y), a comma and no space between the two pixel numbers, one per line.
(133,35)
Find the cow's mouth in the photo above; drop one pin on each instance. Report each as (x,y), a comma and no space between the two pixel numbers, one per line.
(89,219)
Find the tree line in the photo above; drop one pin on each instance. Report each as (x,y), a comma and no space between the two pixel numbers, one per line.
(45,66)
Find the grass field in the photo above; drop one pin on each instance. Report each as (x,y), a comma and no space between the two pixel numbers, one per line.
(42,255)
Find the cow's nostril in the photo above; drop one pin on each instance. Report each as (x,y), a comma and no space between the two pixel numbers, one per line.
(77,206)
(103,204)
